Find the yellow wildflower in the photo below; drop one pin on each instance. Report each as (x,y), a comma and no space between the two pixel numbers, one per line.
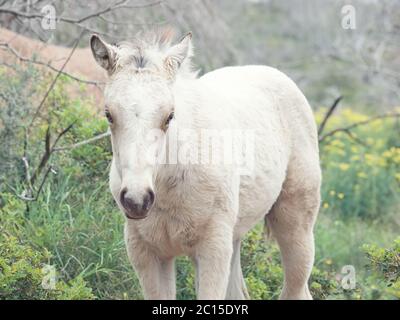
(382,162)
(362,175)
(370,159)
(337,143)
(387,154)
(328,262)
(354,149)
(340,195)
(370,141)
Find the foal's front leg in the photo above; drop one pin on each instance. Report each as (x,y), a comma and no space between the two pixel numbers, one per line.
(156,275)
(213,258)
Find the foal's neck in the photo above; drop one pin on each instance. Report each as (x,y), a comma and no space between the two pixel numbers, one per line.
(188,99)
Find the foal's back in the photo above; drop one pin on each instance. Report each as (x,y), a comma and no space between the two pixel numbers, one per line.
(265,100)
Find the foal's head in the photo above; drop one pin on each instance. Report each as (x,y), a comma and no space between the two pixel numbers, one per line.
(139,106)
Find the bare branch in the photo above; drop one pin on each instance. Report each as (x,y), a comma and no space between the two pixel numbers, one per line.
(50,168)
(118,5)
(49,149)
(45,157)
(55,79)
(26,197)
(27,176)
(354,137)
(357,124)
(81,143)
(6,46)
(328,114)
(60,135)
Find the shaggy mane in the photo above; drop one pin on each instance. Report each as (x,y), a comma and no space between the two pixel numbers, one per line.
(160,38)
(141,51)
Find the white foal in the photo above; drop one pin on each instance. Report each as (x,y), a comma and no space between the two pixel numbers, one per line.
(155,104)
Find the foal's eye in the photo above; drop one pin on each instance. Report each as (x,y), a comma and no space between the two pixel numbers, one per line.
(108,116)
(168,120)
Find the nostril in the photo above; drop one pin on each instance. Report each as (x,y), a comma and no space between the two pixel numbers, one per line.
(151,195)
(148,200)
(122,195)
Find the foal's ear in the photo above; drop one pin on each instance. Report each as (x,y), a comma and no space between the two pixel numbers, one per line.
(103,52)
(177,54)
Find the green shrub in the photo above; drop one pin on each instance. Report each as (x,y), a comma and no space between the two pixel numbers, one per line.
(263,271)
(22,274)
(261,266)
(17,98)
(323,284)
(185,275)
(384,263)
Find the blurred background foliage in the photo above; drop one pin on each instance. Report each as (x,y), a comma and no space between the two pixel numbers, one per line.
(77,224)
(304,38)
(74,224)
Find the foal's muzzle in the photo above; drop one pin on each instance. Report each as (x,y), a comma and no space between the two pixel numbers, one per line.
(134,209)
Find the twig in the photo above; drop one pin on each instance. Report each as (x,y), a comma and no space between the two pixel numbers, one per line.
(119,5)
(328,114)
(60,135)
(55,79)
(24,197)
(27,175)
(81,143)
(47,65)
(45,157)
(25,154)
(354,137)
(357,124)
(50,168)
(49,149)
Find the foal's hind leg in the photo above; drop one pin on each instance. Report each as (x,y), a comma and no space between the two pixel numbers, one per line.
(237,287)
(291,221)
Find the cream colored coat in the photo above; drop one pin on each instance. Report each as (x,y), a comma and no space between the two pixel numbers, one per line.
(203,211)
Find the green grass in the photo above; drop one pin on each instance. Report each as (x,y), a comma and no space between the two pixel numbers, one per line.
(76,221)
(341,241)
(84,233)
